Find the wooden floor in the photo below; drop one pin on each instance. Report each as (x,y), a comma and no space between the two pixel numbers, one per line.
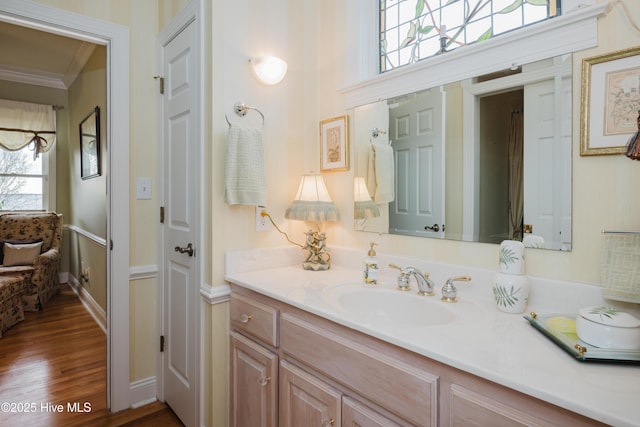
(53,372)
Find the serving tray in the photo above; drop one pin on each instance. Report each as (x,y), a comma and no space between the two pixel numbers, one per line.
(560,328)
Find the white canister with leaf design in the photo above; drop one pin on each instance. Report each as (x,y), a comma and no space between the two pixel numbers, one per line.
(511,292)
(511,257)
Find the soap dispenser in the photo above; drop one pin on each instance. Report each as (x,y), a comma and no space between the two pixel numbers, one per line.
(371,266)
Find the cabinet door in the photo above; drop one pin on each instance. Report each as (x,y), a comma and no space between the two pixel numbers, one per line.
(307,401)
(355,414)
(254,384)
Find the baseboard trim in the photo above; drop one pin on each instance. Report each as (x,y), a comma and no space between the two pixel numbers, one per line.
(89,303)
(142,392)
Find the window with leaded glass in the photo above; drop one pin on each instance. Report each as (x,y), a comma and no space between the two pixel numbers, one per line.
(412,30)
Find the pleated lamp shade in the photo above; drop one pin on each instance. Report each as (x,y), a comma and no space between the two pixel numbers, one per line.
(312,202)
(363,205)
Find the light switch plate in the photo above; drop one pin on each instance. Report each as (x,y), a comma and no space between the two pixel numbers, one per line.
(143,188)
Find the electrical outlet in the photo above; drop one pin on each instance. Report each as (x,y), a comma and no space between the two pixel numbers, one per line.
(262,222)
(85,273)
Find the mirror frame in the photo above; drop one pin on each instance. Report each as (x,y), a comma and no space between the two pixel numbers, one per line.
(90,145)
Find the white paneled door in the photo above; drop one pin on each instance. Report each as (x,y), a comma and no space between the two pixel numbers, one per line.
(416,132)
(547,171)
(179,182)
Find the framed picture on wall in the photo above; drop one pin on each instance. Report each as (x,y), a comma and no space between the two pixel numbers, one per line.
(334,144)
(90,145)
(610,101)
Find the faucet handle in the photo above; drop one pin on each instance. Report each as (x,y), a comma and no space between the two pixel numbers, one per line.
(449,291)
(403,278)
(403,270)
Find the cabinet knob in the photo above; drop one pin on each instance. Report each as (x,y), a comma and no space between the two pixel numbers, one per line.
(245,318)
(264,381)
(328,423)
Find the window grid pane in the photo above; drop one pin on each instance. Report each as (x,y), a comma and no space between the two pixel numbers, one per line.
(21,180)
(410,30)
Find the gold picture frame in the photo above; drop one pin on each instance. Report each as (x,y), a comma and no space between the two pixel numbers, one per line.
(609,102)
(334,144)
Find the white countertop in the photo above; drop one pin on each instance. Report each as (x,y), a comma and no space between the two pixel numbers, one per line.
(500,347)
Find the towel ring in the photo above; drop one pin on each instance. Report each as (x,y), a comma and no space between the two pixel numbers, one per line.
(375,132)
(241,109)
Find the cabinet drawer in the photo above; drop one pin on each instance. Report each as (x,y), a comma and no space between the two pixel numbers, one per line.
(256,319)
(405,390)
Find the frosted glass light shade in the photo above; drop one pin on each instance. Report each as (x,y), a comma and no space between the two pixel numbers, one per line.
(363,205)
(312,202)
(269,70)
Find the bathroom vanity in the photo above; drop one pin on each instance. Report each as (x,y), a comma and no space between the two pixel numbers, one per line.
(320,348)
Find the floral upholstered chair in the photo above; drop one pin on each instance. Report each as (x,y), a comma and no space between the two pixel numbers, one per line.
(31,249)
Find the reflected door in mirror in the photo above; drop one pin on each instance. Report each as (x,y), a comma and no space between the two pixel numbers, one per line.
(417,136)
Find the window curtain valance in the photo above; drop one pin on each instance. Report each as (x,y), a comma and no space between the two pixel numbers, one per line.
(24,123)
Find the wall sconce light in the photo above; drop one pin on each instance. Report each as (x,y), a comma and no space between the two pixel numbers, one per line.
(363,205)
(269,70)
(312,203)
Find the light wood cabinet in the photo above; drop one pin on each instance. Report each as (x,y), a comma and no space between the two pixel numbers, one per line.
(254,318)
(324,374)
(355,414)
(307,401)
(254,384)
(387,379)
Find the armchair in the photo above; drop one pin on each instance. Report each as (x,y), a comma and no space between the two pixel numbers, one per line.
(41,277)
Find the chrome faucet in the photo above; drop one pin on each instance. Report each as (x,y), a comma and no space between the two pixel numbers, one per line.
(449,291)
(425,285)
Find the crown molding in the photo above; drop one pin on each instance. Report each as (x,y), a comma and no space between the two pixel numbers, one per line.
(32,77)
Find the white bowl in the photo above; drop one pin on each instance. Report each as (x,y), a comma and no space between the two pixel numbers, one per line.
(607,327)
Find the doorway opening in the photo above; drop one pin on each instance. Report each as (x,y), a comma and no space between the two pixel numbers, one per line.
(495,164)
(116,40)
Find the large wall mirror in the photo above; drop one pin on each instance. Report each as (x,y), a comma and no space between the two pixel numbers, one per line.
(484,159)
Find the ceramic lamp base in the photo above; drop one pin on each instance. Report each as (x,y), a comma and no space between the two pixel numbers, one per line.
(315,266)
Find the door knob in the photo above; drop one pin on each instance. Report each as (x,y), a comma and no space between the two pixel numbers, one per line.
(189,250)
(435,228)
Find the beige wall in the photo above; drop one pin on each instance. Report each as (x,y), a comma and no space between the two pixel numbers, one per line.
(88,197)
(454,164)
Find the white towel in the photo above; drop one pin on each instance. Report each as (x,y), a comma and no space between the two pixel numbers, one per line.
(245,172)
(380,173)
(620,272)
(533,241)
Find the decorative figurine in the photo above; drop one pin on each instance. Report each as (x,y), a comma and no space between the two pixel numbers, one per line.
(319,257)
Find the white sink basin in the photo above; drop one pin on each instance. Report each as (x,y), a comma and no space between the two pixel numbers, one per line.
(386,307)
